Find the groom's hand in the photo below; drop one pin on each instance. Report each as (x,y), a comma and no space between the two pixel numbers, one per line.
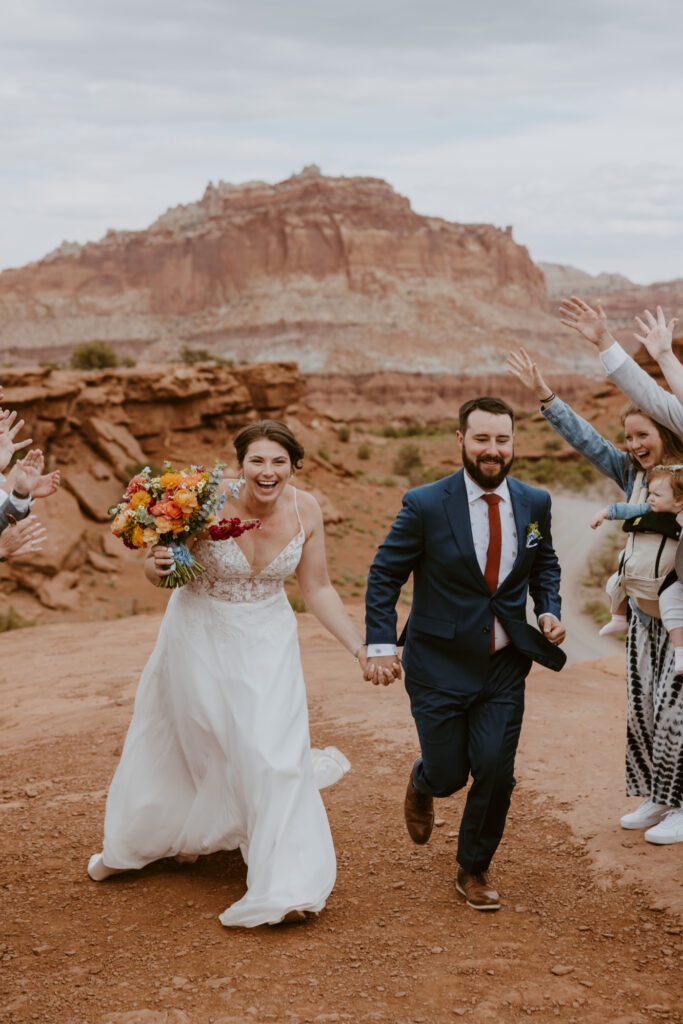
(383,670)
(552,628)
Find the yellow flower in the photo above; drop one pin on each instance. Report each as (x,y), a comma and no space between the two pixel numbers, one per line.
(185,499)
(140,498)
(170,480)
(136,537)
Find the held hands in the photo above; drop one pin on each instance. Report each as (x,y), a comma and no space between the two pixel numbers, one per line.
(552,628)
(599,518)
(382,670)
(656,335)
(591,323)
(521,366)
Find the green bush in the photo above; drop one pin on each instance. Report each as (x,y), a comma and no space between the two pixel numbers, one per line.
(297,602)
(194,355)
(11,619)
(364,451)
(93,355)
(343,433)
(324,452)
(128,361)
(407,458)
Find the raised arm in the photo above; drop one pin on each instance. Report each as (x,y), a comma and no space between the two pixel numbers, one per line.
(579,433)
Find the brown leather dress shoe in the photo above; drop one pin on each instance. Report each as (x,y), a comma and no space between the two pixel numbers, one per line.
(477,890)
(419,813)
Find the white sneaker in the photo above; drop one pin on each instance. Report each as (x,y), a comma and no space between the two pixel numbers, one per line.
(669,829)
(649,813)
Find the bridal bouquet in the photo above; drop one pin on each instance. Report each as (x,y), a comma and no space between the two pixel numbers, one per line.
(171,508)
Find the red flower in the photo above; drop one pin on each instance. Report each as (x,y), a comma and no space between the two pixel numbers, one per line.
(234,527)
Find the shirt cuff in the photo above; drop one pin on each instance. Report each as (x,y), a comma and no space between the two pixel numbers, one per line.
(21,504)
(543,615)
(381,650)
(613,357)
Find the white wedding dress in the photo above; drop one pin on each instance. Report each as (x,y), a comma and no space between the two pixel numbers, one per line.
(218,754)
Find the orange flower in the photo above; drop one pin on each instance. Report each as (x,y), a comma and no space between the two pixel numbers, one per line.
(178,528)
(119,524)
(149,536)
(170,480)
(140,498)
(163,525)
(166,508)
(192,479)
(187,500)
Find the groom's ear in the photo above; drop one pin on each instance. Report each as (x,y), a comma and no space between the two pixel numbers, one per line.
(460,436)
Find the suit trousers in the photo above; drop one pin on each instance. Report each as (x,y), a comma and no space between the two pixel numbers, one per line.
(473,733)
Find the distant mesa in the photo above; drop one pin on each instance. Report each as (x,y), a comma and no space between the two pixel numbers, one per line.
(339,274)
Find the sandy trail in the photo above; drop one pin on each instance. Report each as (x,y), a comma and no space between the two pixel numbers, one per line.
(590,930)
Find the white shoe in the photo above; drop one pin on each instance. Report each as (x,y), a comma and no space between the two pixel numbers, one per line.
(649,813)
(669,829)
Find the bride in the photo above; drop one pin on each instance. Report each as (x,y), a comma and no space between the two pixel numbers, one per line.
(218,754)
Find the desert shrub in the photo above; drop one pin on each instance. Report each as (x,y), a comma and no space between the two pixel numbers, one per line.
(389,431)
(435,473)
(388,481)
(128,361)
(343,433)
(364,451)
(11,619)
(297,603)
(133,468)
(407,458)
(324,452)
(552,444)
(194,355)
(93,355)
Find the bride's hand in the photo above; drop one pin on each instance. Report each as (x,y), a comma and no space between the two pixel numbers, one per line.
(160,562)
(589,322)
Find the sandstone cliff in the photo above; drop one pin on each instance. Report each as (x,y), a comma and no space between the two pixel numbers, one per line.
(339,274)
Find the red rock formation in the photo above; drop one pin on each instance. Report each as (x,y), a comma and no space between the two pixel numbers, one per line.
(339,274)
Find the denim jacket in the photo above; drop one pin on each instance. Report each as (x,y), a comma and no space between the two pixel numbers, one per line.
(605,456)
(584,438)
(626,510)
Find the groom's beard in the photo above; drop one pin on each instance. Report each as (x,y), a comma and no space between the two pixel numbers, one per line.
(482,469)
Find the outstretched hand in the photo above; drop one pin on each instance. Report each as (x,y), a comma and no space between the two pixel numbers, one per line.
(8,431)
(522,366)
(591,323)
(656,335)
(25,537)
(28,471)
(383,670)
(599,518)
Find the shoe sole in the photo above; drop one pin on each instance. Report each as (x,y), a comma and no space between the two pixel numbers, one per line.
(476,906)
(646,825)
(662,842)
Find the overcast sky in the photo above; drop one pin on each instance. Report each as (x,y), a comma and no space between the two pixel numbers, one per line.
(564,120)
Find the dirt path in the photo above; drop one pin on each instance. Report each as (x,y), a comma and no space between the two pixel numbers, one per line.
(590,930)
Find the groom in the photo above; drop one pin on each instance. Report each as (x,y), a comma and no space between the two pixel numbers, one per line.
(475,542)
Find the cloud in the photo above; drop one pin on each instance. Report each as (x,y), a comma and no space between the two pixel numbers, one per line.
(562,122)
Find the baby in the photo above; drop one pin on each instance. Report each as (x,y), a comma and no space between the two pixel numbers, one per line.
(665,494)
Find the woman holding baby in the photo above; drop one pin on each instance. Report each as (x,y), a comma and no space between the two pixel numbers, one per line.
(654,744)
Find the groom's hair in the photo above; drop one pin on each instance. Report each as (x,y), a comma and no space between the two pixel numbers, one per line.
(487,403)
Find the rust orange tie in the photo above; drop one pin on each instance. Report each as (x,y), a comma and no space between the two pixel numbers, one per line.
(493,554)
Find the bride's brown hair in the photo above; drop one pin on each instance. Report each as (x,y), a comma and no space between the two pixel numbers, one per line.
(272,430)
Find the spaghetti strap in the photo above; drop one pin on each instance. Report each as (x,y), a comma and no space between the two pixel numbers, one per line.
(296,509)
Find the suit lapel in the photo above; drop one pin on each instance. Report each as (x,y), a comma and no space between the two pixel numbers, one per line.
(522,512)
(458,515)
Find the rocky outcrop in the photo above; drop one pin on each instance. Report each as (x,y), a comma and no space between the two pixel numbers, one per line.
(339,274)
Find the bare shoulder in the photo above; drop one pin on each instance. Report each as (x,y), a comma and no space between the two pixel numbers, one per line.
(309,509)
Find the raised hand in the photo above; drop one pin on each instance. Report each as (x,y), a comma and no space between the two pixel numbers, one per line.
(656,335)
(8,431)
(24,538)
(47,485)
(521,365)
(28,471)
(591,323)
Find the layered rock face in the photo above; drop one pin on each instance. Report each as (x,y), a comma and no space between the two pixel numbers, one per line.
(339,274)
(97,427)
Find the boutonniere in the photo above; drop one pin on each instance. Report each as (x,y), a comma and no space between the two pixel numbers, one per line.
(533,535)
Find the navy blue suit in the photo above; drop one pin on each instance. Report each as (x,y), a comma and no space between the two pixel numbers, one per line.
(467,703)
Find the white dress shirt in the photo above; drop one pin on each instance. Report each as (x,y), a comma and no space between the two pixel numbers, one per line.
(21,504)
(479,520)
(613,357)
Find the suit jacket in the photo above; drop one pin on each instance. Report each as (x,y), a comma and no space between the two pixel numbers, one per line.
(448,634)
(8,509)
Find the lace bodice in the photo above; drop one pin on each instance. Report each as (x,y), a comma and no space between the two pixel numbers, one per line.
(229,577)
